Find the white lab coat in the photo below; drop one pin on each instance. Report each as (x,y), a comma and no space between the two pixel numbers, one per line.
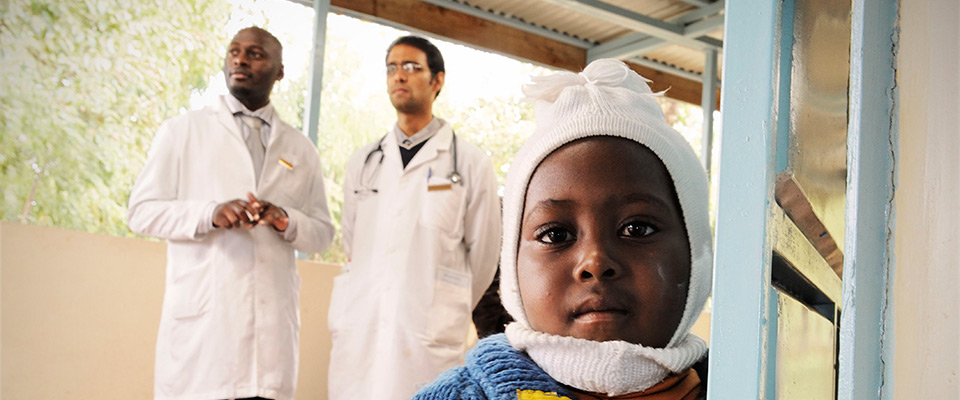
(230,319)
(419,262)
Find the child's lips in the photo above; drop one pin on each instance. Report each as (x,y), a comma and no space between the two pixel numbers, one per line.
(600,316)
(598,309)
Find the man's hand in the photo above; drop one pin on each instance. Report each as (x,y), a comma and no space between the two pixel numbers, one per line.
(270,214)
(234,214)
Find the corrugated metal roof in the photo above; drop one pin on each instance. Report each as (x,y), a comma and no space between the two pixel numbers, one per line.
(572,23)
(610,24)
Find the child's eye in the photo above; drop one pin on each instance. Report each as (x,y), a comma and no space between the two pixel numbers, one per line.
(554,235)
(637,229)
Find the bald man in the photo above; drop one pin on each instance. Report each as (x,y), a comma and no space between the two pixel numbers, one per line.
(234,191)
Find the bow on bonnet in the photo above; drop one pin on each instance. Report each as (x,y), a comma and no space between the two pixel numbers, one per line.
(607,72)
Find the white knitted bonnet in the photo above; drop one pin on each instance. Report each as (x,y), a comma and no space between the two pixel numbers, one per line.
(607,99)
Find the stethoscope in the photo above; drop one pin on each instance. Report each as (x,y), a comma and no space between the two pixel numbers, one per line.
(454,175)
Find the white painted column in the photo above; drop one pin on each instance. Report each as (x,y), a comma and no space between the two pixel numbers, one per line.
(926,274)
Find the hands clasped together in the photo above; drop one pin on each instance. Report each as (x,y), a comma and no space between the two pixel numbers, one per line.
(249,214)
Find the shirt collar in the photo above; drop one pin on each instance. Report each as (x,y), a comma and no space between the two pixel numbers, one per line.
(235,106)
(421,136)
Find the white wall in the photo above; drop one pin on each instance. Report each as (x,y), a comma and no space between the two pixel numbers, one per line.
(79,315)
(926,351)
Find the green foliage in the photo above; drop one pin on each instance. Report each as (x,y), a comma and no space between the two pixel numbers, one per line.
(86,84)
(499,126)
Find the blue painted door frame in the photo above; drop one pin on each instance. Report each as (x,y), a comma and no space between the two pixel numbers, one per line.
(742,292)
(752,150)
(871,150)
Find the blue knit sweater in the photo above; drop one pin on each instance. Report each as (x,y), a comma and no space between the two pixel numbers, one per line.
(494,370)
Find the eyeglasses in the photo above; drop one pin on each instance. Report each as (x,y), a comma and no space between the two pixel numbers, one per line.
(408,67)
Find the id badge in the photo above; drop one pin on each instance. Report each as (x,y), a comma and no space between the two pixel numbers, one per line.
(436,183)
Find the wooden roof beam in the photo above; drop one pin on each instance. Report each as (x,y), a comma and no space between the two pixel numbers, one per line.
(491,36)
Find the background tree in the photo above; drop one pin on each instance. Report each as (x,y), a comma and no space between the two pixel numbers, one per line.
(85,85)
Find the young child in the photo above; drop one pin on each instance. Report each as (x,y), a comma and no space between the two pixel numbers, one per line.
(606,259)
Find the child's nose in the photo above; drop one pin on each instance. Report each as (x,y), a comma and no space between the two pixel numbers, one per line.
(596,263)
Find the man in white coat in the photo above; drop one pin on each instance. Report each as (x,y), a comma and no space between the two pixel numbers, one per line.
(421,231)
(234,190)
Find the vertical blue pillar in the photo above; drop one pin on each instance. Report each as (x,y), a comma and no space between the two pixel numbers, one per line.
(311,114)
(871,146)
(311,117)
(741,292)
(784,77)
(708,102)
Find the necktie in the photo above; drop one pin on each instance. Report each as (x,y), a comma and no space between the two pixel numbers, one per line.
(254,143)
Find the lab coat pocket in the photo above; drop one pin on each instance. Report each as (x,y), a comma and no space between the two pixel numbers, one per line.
(442,208)
(291,183)
(450,308)
(192,293)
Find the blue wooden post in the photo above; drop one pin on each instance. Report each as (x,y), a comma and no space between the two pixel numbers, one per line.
(741,292)
(311,112)
(871,148)
(708,102)
(311,118)
(784,76)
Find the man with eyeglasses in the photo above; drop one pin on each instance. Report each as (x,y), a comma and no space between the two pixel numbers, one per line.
(421,232)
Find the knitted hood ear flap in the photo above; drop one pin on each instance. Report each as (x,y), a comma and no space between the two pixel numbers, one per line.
(608,99)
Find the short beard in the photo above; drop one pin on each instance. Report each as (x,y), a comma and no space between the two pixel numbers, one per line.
(240,92)
(408,107)
(247,94)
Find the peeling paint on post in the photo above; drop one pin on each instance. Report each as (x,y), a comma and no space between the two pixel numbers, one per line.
(871,149)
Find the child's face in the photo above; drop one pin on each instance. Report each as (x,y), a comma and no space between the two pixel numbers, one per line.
(603,249)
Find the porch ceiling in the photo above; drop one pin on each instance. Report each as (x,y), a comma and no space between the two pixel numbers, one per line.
(664,40)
